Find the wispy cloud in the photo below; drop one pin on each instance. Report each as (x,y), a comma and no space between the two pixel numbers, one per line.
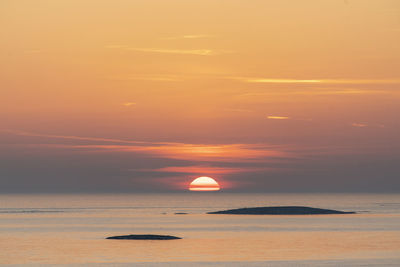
(196,36)
(315,92)
(362,125)
(315,81)
(150,77)
(274,117)
(332,91)
(198,169)
(210,170)
(172,150)
(197,52)
(129,104)
(225,152)
(357,124)
(71,137)
(189,36)
(277,117)
(261,80)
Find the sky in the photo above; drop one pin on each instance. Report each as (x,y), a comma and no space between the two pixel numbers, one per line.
(145,96)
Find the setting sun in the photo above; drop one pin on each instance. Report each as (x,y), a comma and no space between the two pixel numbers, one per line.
(204,184)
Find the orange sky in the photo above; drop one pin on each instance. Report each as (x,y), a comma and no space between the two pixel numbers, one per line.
(247,90)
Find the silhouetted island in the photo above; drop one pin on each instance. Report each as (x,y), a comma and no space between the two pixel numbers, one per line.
(144,237)
(281,210)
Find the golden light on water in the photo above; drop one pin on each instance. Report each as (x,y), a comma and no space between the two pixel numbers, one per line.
(204,184)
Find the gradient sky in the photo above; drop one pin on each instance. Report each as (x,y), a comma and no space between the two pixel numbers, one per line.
(138,96)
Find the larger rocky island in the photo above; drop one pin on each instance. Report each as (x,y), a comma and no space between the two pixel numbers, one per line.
(281,210)
(144,237)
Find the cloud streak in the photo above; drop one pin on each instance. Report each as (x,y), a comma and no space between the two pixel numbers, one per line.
(357,124)
(315,81)
(161,78)
(200,169)
(71,137)
(197,52)
(171,150)
(189,36)
(277,117)
(315,92)
(129,104)
(362,125)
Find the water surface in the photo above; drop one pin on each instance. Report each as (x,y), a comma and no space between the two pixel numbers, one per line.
(70,230)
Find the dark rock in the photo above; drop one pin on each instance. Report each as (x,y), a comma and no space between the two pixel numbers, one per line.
(281,210)
(144,237)
(180,213)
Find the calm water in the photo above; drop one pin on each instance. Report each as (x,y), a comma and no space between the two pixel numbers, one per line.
(70,229)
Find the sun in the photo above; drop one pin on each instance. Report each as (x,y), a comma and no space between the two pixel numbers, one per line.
(204,184)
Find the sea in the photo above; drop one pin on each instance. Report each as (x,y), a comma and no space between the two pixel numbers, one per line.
(71,230)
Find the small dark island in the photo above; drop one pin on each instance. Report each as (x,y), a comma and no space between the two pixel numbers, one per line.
(281,210)
(144,237)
